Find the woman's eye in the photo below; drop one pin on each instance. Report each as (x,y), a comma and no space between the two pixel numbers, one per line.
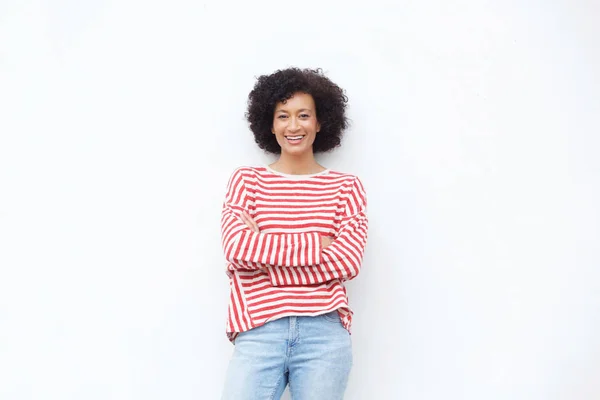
(304,115)
(282,116)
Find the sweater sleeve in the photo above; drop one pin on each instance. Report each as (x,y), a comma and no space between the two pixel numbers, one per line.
(343,258)
(247,250)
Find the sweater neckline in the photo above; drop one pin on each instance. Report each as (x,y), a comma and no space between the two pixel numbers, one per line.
(294,176)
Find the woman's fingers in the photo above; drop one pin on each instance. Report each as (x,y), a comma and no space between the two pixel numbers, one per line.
(326,241)
(250,222)
(246,221)
(254,224)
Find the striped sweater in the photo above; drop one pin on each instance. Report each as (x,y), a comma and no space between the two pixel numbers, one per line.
(283,270)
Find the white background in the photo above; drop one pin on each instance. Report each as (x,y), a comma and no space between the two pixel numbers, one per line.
(475,129)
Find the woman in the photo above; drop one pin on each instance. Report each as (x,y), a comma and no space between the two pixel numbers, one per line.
(292,232)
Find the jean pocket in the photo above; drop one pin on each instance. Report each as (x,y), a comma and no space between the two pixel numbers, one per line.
(332,316)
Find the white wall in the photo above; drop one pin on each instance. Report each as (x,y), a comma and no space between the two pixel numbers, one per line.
(475,131)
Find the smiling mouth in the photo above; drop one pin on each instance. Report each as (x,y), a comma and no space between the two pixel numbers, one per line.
(294,139)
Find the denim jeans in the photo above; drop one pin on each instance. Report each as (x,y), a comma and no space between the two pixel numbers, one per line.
(311,354)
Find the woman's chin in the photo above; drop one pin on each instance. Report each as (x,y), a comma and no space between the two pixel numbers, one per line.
(296,150)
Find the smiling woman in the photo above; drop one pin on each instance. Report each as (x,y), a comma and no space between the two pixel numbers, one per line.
(296,123)
(272,91)
(292,232)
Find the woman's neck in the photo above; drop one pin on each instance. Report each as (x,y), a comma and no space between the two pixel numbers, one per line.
(296,165)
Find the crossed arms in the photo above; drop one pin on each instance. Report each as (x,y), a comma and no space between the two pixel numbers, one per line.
(294,259)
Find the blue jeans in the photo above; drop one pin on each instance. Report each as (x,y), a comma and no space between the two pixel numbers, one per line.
(311,354)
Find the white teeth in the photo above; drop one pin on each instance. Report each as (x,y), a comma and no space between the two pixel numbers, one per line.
(294,137)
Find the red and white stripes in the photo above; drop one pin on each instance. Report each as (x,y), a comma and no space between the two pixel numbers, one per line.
(283,270)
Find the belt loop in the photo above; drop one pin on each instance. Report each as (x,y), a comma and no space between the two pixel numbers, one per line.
(293,328)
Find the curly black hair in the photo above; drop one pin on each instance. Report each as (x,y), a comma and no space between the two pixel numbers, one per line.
(330,102)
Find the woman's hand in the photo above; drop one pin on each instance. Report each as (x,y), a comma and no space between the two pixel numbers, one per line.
(250,222)
(326,241)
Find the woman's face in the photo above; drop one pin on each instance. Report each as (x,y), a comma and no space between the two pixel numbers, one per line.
(295,124)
